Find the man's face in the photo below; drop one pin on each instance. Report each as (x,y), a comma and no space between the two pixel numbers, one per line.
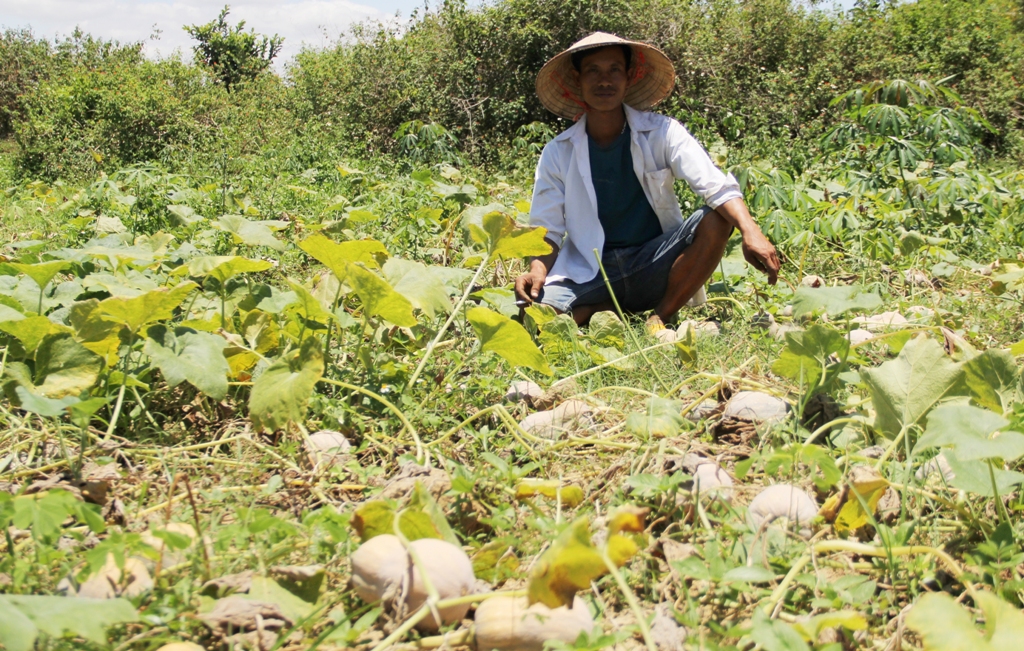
(603,78)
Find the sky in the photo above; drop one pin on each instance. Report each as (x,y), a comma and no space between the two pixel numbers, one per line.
(310,22)
(314,22)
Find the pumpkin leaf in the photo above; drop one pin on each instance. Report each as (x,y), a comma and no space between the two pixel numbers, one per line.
(503,336)
(834,300)
(28,616)
(905,389)
(280,394)
(186,355)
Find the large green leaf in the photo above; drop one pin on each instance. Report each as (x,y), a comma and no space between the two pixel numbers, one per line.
(834,300)
(500,334)
(972,432)
(26,616)
(993,380)
(379,298)
(807,353)
(607,330)
(662,418)
(221,267)
(773,635)
(279,395)
(945,626)
(905,389)
(41,272)
(339,256)
(245,231)
(976,476)
(308,305)
(186,355)
(65,367)
(414,281)
(504,237)
(267,590)
(151,307)
(31,330)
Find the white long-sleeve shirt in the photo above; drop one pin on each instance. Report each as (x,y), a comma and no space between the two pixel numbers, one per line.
(565,204)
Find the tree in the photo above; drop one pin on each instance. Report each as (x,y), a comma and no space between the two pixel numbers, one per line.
(234,54)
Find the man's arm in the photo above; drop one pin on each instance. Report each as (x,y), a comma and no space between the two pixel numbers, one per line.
(757,250)
(529,284)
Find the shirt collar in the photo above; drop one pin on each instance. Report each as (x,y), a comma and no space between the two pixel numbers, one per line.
(638,121)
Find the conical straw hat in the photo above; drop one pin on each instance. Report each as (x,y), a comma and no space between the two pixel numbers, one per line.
(652,79)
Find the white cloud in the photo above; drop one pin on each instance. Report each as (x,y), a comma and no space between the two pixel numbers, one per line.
(311,22)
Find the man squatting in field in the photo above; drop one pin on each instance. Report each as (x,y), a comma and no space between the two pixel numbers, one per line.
(605,183)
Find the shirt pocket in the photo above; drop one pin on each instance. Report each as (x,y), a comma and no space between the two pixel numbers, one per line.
(659,184)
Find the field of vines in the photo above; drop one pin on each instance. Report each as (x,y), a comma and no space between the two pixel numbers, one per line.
(284,411)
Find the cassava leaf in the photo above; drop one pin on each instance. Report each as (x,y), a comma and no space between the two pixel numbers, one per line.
(503,336)
(904,390)
(279,395)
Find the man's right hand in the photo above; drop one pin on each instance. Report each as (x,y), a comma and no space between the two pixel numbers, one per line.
(528,285)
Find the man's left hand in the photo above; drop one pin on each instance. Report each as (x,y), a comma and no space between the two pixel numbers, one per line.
(760,253)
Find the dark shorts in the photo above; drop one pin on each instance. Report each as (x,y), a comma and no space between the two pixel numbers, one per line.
(638,274)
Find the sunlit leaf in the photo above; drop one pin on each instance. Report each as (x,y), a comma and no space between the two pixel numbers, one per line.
(807,354)
(280,394)
(185,355)
(504,237)
(379,298)
(31,330)
(41,272)
(252,233)
(904,390)
(503,336)
(222,267)
(972,432)
(419,285)
(834,300)
(153,306)
(28,616)
(338,256)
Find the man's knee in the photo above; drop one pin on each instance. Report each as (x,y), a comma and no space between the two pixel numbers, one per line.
(716,227)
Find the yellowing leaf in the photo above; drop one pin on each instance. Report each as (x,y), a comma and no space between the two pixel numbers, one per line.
(338,256)
(568,566)
(500,334)
(570,494)
(504,237)
(628,518)
(421,518)
(40,272)
(379,298)
(279,395)
(153,306)
(222,267)
(868,485)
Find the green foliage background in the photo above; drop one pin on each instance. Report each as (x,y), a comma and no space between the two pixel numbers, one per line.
(756,74)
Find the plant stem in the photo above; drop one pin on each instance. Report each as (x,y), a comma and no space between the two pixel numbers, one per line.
(632,335)
(117,411)
(1003,515)
(634,603)
(421,453)
(451,318)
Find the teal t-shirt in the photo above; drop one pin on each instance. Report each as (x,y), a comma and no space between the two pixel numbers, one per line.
(625,213)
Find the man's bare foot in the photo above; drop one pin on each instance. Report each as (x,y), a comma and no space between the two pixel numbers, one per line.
(657,329)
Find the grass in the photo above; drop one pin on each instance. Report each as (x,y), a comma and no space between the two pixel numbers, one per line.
(181,456)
